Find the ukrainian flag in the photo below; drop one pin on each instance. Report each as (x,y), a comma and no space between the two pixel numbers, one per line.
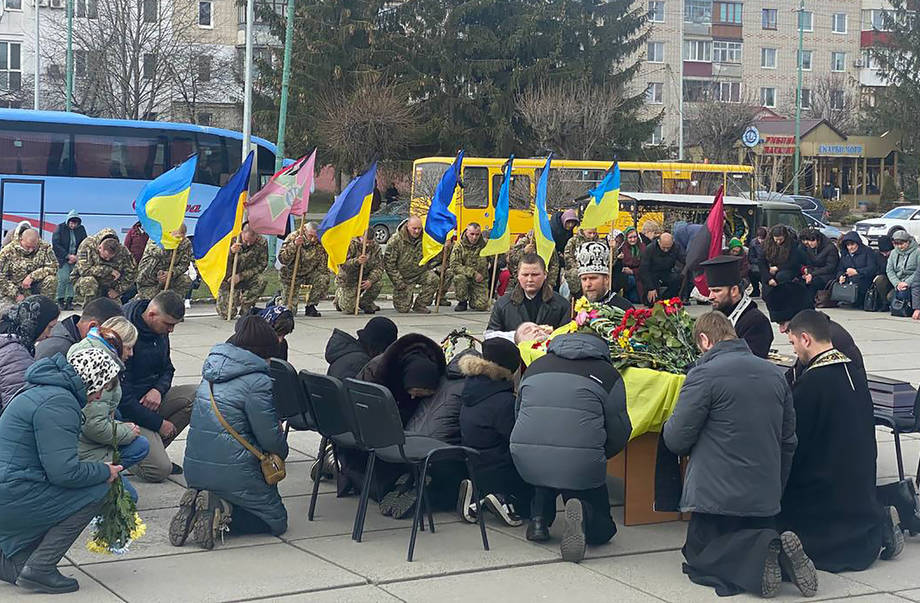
(605,200)
(161,204)
(441,221)
(218,225)
(500,236)
(348,217)
(542,233)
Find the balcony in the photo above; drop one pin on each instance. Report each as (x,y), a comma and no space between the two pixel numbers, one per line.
(726,70)
(871,77)
(697,69)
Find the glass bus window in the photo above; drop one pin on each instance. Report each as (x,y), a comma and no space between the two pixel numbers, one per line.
(633,181)
(181,147)
(426,177)
(519,194)
(213,161)
(475,187)
(118,156)
(34,153)
(651,183)
(266,160)
(565,185)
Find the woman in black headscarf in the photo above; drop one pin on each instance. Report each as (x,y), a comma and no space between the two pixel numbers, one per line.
(783,259)
(21,326)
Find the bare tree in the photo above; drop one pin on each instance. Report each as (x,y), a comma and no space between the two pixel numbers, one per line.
(831,96)
(717,126)
(201,75)
(373,121)
(572,119)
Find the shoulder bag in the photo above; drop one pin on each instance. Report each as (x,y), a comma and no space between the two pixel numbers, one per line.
(901,305)
(272,465)
(844,293)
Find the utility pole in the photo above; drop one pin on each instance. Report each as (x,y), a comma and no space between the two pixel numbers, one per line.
(38,67)
(680,82)
(247,87)
(798,102)
(68,102)
(285,83)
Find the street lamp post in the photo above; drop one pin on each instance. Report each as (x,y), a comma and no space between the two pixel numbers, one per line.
(68,102)
(285,83)
(798,102)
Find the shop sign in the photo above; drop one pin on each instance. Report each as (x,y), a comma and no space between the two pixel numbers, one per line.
(840,149)
(779,145)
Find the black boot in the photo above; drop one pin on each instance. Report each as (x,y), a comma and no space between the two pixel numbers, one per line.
(311,311)
(68,303)
(461,306)
(537,530)
(48,581)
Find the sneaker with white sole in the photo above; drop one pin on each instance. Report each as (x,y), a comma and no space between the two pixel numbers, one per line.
(503,509)
(573,538)
(466,508)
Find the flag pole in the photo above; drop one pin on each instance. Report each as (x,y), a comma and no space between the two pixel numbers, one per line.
(236,260)
(492,281)
(290,297)
(610,245)
(247,81)
(172,264)
(360,274)
(437,306)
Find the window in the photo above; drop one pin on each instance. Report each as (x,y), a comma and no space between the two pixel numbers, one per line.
(654,94)
(519,191)
(806,20)
(729,92)
(150,11)
(13,4)
(806,98)
(204,119)
(839,23)
(204,68)
(698,50)
(88,9)
(726,52)
(10,66)
(656,52)
(475,186)
(768,58)
(696,91)
(837,99)
(34,153)
(874,20)
(730,12)
(768,97)
(698,11)
(768,18)
(656,11)
(150,65)
(804,59)
(118,156)
(838,61)
(868,59)
(656,139)
(204,15)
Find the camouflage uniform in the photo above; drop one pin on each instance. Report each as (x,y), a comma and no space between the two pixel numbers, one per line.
(16,264)
(401,263)
(465,262)
(571,264)
(251,270)
(312,270)
(93,276)
(517,252)
(157,259)
(346,283)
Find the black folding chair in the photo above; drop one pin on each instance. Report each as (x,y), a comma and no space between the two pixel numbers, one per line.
(290,398)
(898,424)
(382,432)
(334,417)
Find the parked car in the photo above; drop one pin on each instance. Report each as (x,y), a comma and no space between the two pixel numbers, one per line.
(387,219)
(831,232)
(905,217)
(811,207)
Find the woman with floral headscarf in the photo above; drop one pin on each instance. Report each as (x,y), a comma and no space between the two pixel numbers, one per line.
(632,250)
(22,325)
(47,495)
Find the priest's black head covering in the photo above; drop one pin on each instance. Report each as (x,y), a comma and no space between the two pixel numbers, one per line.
(723,271)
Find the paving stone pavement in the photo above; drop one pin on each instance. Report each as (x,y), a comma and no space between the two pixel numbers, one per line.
(317,561)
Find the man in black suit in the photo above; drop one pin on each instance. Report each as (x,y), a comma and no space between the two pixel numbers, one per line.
(723,276)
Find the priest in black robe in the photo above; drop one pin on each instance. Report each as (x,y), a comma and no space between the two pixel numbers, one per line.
(723,277)
(829,500)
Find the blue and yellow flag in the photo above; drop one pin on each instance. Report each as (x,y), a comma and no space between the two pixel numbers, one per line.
(441,221)
(161,204)
(542,233)
(500,235)
(218,225)
(348,217)
(605,200)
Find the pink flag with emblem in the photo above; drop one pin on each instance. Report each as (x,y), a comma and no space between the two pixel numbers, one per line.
(286,194)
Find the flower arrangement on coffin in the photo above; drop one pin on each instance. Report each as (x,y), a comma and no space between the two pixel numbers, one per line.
(659,338)
(118,523)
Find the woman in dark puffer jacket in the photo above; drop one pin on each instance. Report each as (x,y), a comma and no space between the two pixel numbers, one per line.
(822,258)
(21,326)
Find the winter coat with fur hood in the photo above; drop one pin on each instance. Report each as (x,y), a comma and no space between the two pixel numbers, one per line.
(487,414)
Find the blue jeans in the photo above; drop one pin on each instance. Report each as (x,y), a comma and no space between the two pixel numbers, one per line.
(632,291)
(64,287)
(131,454)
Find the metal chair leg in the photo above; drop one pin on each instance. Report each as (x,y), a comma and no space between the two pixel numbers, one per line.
(481,515)
(418,519)
(897,451)
(323,443)
(358,530)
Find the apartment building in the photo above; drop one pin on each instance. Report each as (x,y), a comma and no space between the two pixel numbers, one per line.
(747,51)
(206,36)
